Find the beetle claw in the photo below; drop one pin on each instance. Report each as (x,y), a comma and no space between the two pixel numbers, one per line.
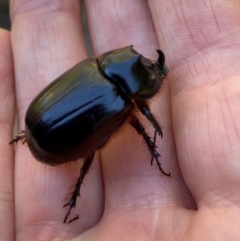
(151,144)
(72,203)
(21,136)
(77,217)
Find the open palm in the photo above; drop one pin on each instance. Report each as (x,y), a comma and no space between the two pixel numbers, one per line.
(123,196)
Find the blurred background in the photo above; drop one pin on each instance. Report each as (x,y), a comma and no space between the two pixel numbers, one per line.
(4,14)
(6,24)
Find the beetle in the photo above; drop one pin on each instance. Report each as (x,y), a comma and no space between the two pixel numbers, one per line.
(78,112)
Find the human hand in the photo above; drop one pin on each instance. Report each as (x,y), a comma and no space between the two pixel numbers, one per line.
(123,196)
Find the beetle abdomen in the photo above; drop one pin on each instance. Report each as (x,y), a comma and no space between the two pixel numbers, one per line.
(74,116)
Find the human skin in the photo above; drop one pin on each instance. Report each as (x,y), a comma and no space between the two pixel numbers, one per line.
(123,196)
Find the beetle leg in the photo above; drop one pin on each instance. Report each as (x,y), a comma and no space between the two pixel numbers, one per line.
(151,144)
(84,170)
(154,141)
(145,110)
(20,137)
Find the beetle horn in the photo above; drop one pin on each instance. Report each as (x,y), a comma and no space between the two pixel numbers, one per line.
(161,58)
(160,63)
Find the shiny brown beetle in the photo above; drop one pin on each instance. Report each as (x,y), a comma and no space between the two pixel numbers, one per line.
(79,111)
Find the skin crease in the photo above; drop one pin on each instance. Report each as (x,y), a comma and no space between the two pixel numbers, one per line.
(123,196)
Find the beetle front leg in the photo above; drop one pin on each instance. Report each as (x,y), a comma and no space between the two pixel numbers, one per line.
(145,110)
(84,170)
(151,144)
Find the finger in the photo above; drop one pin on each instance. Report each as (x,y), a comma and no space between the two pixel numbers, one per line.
(202,46)
(129,177)
(47,40)
(119,24)
(7,230)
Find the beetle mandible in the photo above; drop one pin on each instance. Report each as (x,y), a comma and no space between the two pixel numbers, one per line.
(79,111)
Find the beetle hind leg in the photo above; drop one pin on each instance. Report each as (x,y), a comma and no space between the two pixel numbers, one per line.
(20,137)
(76,193)
(150,143)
